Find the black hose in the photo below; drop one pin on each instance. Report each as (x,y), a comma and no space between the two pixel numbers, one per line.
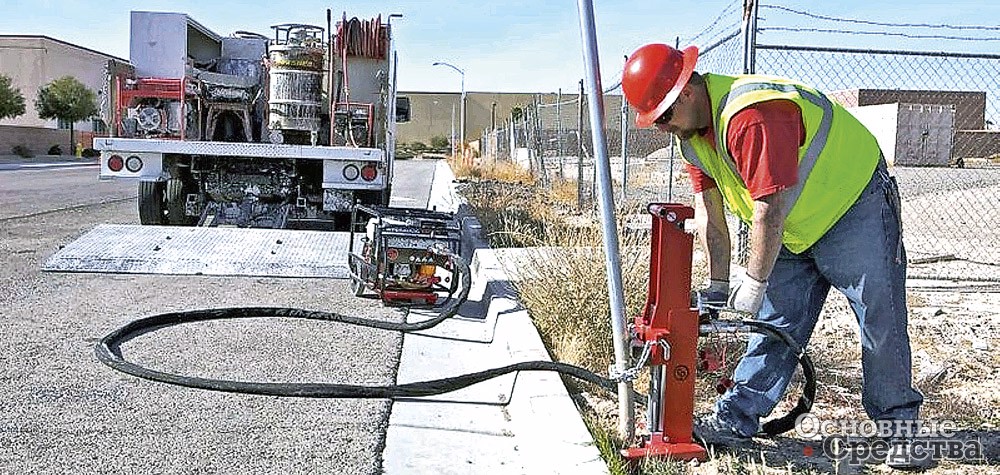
(108,351)
(784,423)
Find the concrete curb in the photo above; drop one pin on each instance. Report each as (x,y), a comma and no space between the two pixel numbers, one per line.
(524,423)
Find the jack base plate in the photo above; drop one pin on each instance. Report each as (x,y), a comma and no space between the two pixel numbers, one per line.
(675,451)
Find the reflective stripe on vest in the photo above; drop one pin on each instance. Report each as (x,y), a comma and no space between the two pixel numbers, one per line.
(808,160)
(835,161)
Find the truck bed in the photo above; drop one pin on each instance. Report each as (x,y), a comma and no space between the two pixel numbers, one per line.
(237,149)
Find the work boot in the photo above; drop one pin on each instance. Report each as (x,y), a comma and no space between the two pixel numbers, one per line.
(906,453)
(713,430)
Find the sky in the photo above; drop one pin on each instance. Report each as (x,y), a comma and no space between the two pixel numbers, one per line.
(523,45)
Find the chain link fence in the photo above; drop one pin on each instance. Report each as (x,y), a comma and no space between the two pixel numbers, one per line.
(936,116)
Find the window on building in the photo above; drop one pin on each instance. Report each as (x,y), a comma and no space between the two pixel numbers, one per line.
(65,124)
(99,127)
(402,109)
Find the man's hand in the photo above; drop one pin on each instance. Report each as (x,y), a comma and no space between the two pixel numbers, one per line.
(748,296)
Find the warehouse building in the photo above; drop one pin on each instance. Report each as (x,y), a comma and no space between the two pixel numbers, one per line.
(32,61)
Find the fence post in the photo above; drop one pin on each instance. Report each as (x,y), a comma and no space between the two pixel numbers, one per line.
(624,132)
(750,8)
(579,156)
(559,134)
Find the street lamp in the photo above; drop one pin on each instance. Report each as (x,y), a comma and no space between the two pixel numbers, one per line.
(462,113)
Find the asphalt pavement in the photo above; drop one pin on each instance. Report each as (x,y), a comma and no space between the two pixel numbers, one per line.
(16,162)
(63,412)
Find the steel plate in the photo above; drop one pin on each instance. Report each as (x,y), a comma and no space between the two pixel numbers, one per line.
(179,250)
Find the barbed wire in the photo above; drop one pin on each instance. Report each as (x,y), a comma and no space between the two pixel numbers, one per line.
(714,22)
(879,23)
(572,101)
(876,33)
(726,33)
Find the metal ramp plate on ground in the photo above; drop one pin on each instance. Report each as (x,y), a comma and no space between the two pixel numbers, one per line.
(179,250)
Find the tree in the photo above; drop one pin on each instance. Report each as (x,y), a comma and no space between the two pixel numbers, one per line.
(68,100)
(11,100)
(440,142)
(516,113)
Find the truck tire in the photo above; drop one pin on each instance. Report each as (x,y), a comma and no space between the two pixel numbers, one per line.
(151,209)
(175,198)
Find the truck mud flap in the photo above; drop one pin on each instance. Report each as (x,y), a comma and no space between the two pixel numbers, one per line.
(182,250)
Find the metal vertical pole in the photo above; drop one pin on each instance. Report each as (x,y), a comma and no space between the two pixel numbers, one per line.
(559,135)
(513,138)
(624,131)
(626,415)
(673,148)
(462,119)
(750,9)
(539,137)
(749,38)
(579,153)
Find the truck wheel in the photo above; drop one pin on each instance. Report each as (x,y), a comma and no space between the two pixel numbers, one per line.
(151,209)
(175,198)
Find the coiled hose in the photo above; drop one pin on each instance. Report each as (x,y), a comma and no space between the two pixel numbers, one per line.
(108,351)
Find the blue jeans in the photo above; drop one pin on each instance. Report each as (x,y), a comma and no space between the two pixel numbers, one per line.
(862,256)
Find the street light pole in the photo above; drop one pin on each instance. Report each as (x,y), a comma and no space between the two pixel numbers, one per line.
(462,106)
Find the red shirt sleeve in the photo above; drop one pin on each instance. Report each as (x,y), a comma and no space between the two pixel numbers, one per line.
(764,141)
(699,180)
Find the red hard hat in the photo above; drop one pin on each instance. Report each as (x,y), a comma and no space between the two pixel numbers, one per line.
(653,78)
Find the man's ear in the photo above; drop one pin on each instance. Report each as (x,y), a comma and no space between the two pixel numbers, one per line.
(686,92)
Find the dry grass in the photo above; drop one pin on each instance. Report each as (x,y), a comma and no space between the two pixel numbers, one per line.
(564,286)
(501,171)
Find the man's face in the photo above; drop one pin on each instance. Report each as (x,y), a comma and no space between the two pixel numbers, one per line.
(682,118)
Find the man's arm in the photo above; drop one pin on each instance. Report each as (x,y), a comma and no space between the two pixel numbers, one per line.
(764,141)
(765,235)
(710,221)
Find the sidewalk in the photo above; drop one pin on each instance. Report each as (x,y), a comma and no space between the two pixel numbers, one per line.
(14,162)
(518,424)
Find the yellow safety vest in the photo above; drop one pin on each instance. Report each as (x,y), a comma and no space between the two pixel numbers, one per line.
(835,162)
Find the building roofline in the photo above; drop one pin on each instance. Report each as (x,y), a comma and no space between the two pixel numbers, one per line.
(66,43)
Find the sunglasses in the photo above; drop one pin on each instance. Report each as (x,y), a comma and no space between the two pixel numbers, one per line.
(665,117)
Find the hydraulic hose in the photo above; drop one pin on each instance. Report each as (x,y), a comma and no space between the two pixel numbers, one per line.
(784,423)
(109,352)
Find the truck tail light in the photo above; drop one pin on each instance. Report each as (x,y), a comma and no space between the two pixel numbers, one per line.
(369,172)
(116,163)
(133,164)
(351,172)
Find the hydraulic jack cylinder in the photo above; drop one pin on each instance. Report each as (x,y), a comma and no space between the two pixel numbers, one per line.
(668,330)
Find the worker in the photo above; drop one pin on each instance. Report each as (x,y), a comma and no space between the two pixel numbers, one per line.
(810,181)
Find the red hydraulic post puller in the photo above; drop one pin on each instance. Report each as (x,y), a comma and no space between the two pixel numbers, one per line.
(667,330)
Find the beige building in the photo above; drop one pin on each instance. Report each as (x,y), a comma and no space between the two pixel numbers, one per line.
(430,113)
(31,61)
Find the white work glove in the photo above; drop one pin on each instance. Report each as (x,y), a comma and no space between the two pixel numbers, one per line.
(748,295)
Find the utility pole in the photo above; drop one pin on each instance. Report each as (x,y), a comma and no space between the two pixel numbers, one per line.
(616,295)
